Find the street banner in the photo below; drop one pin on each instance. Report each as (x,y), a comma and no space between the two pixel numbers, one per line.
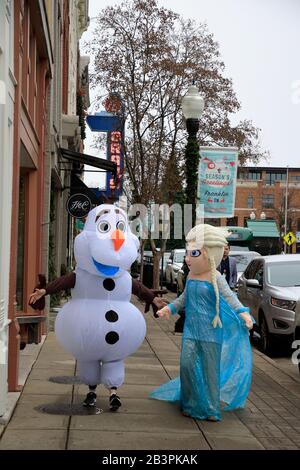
(217,180)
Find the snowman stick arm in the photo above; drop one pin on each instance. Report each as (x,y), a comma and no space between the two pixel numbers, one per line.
(59,284)
(142,292)
(146,295)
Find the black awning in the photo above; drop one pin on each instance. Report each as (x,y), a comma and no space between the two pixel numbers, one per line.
(78,186)
(85,159)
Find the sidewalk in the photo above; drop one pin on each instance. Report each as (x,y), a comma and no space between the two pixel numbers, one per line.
(42,418)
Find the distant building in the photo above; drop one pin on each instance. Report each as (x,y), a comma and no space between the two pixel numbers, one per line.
(261,192)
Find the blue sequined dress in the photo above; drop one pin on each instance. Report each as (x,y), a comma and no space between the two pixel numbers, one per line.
(215,363)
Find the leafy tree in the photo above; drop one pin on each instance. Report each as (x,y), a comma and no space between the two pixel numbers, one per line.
(150,55)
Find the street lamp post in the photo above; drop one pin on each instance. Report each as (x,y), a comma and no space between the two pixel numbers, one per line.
(286,206)
(192,108)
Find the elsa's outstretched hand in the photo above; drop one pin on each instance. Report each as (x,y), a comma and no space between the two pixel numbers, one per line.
(247,319)
(164,312)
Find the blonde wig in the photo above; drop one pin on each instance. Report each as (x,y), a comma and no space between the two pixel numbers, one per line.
(213,240)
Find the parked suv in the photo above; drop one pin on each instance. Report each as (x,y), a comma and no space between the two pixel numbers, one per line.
(270,287)
(173,265)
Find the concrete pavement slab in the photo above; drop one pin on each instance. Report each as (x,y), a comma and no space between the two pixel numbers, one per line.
(225,442)
(172,371)
(26,416)
(12,400)
(45,387)
(47,356)
(55,364)
(41,439)
(230,426)
(271,443)
(156,423)
(138,361)
(97,440)
(168,360)
(38,373)
(145,377)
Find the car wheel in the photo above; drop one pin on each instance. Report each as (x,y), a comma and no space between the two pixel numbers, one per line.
(265,337)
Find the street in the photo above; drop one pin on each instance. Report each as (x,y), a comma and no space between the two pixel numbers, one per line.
(282,358)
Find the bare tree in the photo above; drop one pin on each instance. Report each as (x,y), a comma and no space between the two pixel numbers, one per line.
(150,55)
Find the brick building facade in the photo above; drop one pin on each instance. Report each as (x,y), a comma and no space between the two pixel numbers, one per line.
(261,191)
(46,77)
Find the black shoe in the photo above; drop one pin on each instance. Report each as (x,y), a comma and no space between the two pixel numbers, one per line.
(114,402)
(90,399)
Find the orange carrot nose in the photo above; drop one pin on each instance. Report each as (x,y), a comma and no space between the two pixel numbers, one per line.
(118,239)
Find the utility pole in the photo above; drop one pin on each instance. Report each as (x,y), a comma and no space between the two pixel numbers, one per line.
(286,204)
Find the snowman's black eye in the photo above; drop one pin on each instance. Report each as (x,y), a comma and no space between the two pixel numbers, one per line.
(103,227)
(121,225)
(195,253)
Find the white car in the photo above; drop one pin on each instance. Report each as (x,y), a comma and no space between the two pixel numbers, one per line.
(270,287)
(173,265)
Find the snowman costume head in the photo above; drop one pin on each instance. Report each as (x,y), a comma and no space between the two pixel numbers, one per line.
(106,246)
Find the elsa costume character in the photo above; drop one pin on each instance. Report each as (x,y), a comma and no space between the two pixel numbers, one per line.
(216,358)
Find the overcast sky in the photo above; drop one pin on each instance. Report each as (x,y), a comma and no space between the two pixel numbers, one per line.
(259,44)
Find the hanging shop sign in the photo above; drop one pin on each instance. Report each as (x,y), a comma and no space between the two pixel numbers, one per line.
(217,180)
(79,205)
(112,122)
(115,155)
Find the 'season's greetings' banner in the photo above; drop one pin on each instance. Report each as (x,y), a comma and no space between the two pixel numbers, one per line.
(217,180)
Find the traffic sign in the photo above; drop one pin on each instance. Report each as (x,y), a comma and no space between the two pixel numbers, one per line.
(289,238)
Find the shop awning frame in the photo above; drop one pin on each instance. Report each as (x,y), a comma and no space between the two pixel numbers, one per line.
(85,159)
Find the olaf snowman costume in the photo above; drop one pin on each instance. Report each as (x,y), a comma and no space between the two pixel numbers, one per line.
(99,326)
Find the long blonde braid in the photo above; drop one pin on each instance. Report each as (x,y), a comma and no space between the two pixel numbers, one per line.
(216,320)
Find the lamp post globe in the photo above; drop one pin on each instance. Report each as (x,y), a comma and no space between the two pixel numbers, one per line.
(192,103)
(192,108)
